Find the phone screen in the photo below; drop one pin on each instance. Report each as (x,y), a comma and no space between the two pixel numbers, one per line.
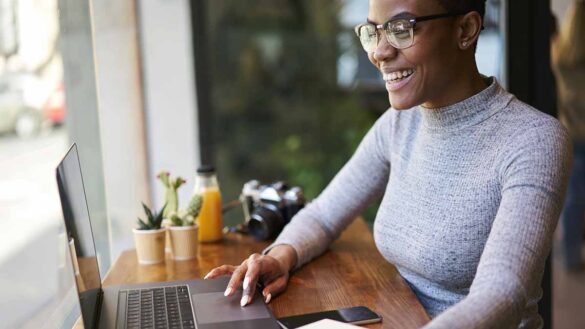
(355,315)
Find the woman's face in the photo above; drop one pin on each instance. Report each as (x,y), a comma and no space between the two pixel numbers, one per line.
(432,58)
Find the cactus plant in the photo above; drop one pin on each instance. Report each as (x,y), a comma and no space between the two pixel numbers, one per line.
(187,216)
(195,205)
(181,218)
(171,186)
(153,220)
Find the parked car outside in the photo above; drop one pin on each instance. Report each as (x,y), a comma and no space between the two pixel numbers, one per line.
(54,108)
(16,114)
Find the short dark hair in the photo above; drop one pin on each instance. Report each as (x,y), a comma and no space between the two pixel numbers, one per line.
(464,6)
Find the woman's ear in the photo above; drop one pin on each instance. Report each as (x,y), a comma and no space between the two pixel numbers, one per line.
(469,26)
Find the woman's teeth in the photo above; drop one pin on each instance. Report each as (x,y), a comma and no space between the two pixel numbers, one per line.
(398,75)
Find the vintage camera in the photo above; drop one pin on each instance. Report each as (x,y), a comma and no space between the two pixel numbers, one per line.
(268,208)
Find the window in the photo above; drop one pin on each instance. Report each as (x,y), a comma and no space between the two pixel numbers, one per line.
(290,94)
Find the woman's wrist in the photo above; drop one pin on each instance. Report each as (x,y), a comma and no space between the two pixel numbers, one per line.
(286,255)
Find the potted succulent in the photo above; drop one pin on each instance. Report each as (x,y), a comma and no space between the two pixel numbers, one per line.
(150,237)
(183,230)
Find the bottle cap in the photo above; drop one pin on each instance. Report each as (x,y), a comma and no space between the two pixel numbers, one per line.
(206,169)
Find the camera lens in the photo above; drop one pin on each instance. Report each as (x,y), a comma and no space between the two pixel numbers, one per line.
(265,222)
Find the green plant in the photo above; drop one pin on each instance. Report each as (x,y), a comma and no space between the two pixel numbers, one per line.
(153,220)
(187,216)
(171,186)
(195,205)
(181,218)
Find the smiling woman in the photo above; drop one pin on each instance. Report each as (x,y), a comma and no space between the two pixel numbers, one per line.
(472,180)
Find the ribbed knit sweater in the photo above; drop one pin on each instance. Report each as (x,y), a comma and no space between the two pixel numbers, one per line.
(471,194)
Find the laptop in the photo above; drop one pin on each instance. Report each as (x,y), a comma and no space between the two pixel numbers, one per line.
(177,304)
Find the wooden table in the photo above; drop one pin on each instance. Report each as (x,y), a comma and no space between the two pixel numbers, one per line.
(351,273)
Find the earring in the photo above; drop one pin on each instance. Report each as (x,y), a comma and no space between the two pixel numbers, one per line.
(464,44)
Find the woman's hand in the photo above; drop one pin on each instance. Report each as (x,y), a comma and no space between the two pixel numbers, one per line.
(271,270)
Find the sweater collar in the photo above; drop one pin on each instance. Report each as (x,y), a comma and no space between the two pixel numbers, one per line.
(465,113)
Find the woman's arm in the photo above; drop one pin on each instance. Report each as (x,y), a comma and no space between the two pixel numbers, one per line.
(534,180)
(360,182)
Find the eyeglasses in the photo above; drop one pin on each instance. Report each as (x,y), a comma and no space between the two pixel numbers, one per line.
(399,32)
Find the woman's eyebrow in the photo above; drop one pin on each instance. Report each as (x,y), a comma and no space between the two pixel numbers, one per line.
(402,14)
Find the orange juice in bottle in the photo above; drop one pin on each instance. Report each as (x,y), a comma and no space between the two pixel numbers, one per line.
(210,218)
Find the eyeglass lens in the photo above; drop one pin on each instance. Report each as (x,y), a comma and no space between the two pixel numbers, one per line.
(399,34)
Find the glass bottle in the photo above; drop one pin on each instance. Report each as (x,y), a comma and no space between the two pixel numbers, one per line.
(210,218)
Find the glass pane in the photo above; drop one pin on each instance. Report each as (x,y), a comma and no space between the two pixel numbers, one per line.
(292,93)
(36,277)
(36,128)
(32,113)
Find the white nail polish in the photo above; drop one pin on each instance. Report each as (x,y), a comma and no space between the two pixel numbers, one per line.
(227,291)
(206,276)
(246,283)
(244,301)
(268,298)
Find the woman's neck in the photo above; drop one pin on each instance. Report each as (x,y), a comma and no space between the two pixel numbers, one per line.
(463,87)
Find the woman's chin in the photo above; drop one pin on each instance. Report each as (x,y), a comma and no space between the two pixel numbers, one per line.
(400,104)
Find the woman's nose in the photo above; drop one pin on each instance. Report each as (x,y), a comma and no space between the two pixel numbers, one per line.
(384,51)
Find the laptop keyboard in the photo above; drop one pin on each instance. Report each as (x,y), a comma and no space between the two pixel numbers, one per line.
(165,307)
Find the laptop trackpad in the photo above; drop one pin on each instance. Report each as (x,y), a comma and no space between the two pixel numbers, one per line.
(214,307)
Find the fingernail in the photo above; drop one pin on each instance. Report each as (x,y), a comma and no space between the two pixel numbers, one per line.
(268,298)
(206,276)
(246,283)
(244,301)
(228,291)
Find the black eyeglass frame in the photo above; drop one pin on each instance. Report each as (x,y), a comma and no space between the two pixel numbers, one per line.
(412,21)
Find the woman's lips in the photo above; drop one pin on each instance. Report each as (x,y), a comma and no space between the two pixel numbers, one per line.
(395,85)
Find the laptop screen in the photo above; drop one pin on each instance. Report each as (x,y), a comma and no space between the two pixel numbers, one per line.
(78,226)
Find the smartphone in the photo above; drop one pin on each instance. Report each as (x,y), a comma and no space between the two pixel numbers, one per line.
(354,315)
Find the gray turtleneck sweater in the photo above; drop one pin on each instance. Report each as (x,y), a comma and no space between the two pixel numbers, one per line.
(471,194)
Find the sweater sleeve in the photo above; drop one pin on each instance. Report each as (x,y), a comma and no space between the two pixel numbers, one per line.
(534,175)
(357,184)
